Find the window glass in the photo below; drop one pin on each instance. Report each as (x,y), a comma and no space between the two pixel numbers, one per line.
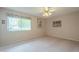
(18,23)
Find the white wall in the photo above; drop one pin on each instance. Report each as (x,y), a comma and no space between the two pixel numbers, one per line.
(13,37)
(69,29)
(0,27)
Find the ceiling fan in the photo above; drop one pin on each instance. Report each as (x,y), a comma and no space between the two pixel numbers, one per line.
(47,11)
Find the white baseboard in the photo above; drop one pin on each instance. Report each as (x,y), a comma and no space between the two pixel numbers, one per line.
(62,38)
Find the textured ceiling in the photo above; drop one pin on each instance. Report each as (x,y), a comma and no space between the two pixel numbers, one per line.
(35,11)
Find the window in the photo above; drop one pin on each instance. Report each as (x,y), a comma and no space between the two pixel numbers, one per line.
(16,23)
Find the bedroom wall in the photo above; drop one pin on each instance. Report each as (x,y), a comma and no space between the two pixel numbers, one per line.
(14,37)
(69,29)
(0,27)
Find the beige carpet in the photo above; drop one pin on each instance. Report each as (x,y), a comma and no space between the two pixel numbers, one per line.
(45,44)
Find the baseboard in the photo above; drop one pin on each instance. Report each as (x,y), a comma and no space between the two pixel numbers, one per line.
(62,38)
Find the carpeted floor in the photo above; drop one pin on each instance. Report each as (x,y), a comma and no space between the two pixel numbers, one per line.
(45,44)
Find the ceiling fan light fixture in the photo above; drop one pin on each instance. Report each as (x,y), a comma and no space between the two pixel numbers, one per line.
(47,11)
(50,13)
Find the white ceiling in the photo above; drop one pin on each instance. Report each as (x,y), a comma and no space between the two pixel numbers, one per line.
(35,11)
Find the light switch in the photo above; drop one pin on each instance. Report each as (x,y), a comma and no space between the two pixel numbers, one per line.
(3,21)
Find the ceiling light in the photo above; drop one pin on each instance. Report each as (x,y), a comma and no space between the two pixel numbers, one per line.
(47,11)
